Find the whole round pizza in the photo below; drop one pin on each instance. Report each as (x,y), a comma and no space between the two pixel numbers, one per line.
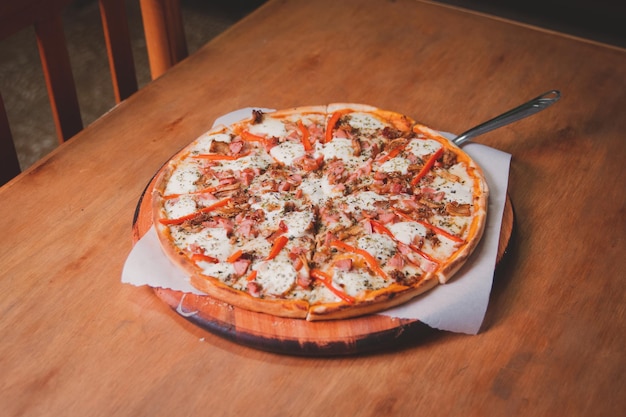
(322,212)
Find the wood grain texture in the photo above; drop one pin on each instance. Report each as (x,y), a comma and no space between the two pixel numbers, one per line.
(76,341)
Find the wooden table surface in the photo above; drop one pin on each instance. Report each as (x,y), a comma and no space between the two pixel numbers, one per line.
(74,340)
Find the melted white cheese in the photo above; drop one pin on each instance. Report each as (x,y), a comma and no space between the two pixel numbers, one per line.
(365,121)
(259,160)
(214,241)
(319,189)
(276,277)
(258,246)
(340,148)
(380,246)
(353,283)
(297,222)
(421,147)
(406,232)
(444,249)
(269,127)
(397,164)
(221,270)
(453,191)
(363,201)
(202,145)
(456,225)
(272,204)
(287,152)
(183,178)
(179,207)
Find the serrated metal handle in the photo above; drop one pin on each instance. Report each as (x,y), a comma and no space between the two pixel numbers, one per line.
(529,108)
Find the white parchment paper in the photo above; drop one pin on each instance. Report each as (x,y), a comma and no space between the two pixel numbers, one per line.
(457,306)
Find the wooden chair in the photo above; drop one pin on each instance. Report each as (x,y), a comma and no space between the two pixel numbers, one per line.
(165,35)
(166,46)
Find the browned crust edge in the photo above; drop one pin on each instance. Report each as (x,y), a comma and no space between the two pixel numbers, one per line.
(383,300)
(481,201)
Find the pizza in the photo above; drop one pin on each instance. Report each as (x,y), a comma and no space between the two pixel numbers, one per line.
(320,212)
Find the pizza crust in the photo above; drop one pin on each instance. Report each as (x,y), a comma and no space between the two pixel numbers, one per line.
(373,304)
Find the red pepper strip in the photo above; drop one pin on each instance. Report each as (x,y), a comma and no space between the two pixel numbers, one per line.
(431,227)
(369,259)
(392,153)
(204,190)
(382,229)
(220,157)
(327,280)
(236,255)
(440,231)
(330,126)
(279,244)
(251,137)
(252,275)
(305,136)
(424,254)
(202,257)
(206,209)
(404,215)
(429,164)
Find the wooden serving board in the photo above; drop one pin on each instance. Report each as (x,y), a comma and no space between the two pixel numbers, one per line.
(294,336)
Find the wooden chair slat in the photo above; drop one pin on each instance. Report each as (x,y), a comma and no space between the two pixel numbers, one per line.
(9,164)
(118,42)
(165,37)
(57,69)
(166,46)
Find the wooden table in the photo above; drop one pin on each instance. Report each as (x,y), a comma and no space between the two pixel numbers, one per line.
(75,341)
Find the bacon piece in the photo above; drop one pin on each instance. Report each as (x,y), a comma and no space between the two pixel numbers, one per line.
(295,179)
(335,170)
(282,229)
(329,217)
(387,217)
(344,264)
(396,261)
(362,171)
(269,143)
(308,163)
(296,251)
(219,147)
(356,146)
(246,175)
(257,116)
(247,228)
(303,278)
(449,159)
(391,133)
(456,209)
(341,133)
(235,147)
(241,266)
(317,133)
(284,186)
(219,222)
(254,288)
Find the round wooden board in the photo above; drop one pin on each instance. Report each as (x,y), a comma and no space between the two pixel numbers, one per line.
(293,336)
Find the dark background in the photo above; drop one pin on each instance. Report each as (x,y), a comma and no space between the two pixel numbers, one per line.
(24,93)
